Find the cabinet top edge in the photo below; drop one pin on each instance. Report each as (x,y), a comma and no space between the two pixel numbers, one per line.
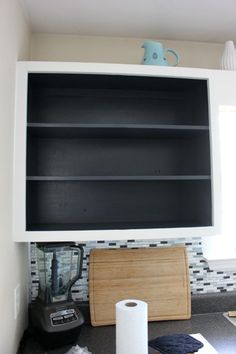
(113,68)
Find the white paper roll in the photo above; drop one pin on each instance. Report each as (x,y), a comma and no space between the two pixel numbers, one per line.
(131,327)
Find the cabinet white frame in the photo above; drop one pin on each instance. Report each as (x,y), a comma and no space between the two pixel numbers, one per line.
(19,176)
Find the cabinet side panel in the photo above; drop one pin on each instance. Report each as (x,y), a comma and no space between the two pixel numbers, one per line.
(19,171)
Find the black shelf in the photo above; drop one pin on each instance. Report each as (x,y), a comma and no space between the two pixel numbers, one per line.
(117,152)
(119,126)
(119,156)
(114,225)
(63,98)
(119,203)
(116,178)
(72,130)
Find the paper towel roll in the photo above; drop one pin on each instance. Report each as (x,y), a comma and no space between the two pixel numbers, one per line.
(131,327)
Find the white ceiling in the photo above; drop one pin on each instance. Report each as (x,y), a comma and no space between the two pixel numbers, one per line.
(194,20)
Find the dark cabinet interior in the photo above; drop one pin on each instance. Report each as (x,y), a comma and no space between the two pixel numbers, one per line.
(115,152)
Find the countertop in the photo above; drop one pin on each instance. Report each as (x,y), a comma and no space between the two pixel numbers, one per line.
(218,331)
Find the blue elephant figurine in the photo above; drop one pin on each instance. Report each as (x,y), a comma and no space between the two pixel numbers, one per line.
(154,54)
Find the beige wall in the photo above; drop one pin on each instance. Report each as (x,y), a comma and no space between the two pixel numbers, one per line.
(119,50)
(14,44)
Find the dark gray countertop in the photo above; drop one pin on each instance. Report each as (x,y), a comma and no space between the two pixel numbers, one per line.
(214,327)
(219,332)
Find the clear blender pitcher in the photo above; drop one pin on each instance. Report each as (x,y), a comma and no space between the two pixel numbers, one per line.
(59,267)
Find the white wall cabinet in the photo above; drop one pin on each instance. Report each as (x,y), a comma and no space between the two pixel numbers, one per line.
(108,151)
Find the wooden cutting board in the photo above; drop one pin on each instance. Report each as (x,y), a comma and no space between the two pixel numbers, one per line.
(158,276)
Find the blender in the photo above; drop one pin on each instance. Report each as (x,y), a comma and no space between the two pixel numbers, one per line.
(54,317)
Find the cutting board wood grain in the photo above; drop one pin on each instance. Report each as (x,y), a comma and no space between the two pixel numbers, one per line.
(158,276)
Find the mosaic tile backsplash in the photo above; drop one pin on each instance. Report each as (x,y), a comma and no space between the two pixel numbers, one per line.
(202,279)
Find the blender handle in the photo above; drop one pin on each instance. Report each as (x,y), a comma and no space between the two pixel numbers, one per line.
(73,280)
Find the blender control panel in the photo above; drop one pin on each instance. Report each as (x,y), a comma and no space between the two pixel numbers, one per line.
(62,317)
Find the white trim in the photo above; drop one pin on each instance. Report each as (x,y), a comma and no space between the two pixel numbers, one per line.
(115,69)
(19,169)
(20,235)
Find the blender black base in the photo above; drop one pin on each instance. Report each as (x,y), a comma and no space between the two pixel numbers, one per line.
(55,325)
(56,340)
